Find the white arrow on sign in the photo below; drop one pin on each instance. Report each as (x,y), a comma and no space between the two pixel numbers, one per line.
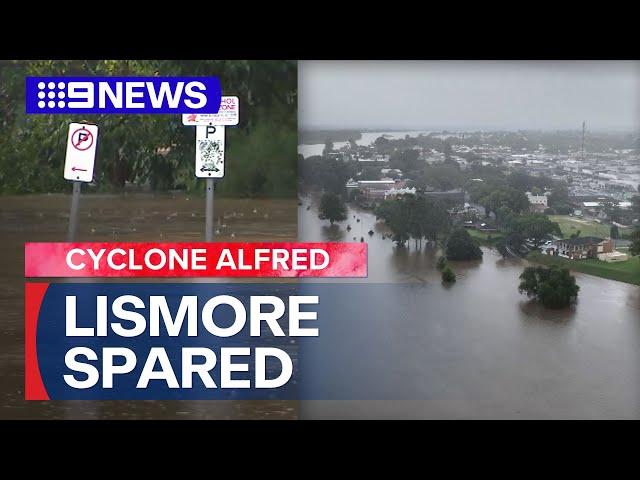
(209,151)
(81,152)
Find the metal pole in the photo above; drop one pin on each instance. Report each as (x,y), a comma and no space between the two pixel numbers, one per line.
(208,228)
(73,216)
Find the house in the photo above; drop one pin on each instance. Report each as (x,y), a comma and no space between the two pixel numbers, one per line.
(371,189)
(398,192)
(537,203)
(583,247)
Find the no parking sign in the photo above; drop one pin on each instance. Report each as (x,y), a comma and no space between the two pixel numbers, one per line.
(81,152)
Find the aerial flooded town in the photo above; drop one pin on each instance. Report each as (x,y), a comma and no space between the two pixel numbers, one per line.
(584,185)
(510,256)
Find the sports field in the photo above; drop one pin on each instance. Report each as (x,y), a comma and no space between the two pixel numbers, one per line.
(588,228)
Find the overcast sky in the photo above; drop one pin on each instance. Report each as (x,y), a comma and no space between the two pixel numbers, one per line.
(468,95)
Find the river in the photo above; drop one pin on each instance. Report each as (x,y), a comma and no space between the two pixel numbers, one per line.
(492,352)
(367,138)
(128,217)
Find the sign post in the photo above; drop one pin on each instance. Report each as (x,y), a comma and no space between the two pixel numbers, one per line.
(208,227)
(73,215)
(78,166)
(210,145)
(210,140)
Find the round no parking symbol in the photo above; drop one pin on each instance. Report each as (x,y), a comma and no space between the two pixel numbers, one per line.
(82,139)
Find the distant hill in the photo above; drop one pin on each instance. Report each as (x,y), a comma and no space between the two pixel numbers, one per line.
(311,137)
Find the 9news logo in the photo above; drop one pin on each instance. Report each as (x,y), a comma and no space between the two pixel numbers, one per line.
(120,95)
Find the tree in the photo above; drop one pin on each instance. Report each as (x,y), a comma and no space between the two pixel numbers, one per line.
(612,209)
(614,232)
(332,208)
(447,151)
(634,248)
(370,173)
(559,195)
(515,200)
(32,146)
(441,263)
(417,217)
(553,287)
(407,160)
(444,176)
(328,147)
(329,174)
(383,145)
(448,276)
(460,246)
(535,226)
(501,246)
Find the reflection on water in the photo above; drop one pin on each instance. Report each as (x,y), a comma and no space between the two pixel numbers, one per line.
(137,217)
(494,353)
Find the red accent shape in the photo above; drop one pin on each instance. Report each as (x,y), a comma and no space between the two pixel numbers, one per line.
(33,295)
(50,259)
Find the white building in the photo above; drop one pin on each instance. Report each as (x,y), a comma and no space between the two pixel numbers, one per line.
(394,192)
(538,202)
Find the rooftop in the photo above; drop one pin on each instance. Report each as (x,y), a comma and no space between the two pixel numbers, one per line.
(582,240)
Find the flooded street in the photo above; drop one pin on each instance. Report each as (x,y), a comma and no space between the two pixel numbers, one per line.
(478,348)
(129,217)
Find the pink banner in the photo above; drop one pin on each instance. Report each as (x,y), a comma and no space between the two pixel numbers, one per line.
(225,259)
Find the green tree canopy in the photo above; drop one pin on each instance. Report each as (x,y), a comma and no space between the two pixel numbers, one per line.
(634,248)
(553,287)
(514,200)
(535,226)
(332,208)
(448,276)
(155,149)
(460,246)
(614,232)
(411,216)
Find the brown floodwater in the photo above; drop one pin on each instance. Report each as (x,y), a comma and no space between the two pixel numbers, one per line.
(128,217)
(487,350)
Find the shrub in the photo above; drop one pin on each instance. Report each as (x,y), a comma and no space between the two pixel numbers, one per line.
(448,276)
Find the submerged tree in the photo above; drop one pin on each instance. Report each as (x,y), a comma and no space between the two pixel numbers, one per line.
(332,208)
(553,287)
(460,246)
(417,217)
(448,276)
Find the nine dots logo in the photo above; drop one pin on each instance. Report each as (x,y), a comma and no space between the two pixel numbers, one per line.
(48,93)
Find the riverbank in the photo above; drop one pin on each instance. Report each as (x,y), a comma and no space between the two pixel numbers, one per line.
(627,272)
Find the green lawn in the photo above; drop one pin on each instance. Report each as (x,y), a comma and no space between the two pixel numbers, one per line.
(488,239)
(628,272)
(588,228)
